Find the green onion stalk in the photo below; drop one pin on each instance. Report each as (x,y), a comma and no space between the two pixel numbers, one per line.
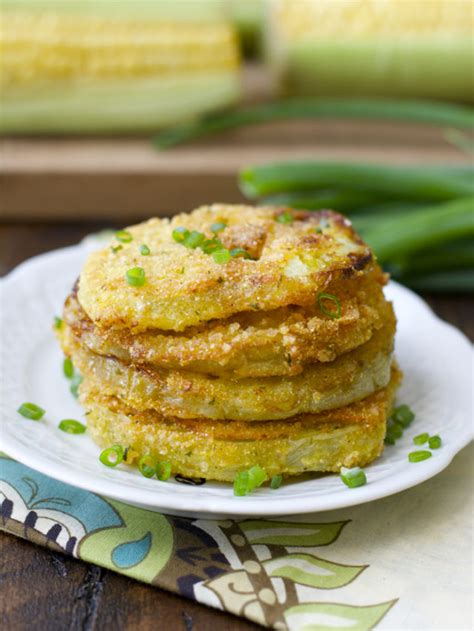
(416,183)
(396,237)
(455,281)
(454,255)
(416,111)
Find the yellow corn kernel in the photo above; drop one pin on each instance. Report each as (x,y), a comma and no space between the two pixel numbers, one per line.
(349,19)
(51,47)
(419,48)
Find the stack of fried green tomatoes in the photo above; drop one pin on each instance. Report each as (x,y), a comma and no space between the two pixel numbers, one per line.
(233,337)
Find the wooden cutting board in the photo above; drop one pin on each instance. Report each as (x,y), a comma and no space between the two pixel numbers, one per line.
(127,179)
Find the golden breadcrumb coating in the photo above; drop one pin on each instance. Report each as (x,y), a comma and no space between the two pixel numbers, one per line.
(250,344)
(185,287)
(217,450)
(185,394)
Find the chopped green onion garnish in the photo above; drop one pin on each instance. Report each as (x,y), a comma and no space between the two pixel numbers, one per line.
(144,250)
(396,430)
(135,276)
(218,227)
(236,252)
(180,234)
(276,481)
(112,456)
(241,483)
(32,411)
(57,322)
(75,383)
(147,466)
(68,368)
(421,439)
(331,313)
(221,256)
(403,415)
(418,456)
(163,471)
(116,248)
(70,426)
(285,217)
(434,442)
(194,239)
(211,245)
(246,481)
(353,477)
(257,476)
(123,236)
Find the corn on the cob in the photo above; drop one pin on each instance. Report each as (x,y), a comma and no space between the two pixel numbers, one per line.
(74,71)
(421,48)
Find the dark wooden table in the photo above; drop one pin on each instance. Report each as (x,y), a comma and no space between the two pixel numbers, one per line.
(41,589)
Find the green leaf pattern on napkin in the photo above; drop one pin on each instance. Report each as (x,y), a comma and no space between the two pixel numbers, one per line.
(140,546)
(306,569)
(291,533)
(335,617)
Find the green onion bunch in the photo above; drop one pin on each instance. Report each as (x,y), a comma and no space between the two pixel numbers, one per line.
(453,117)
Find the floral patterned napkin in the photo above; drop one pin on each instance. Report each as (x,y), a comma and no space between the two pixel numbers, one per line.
(403,562)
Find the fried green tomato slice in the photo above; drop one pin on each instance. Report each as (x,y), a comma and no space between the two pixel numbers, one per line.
(289,264)
(260,344)
(185,394)
(349,436)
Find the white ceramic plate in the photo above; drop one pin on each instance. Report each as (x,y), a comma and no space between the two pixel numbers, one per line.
(435,357)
